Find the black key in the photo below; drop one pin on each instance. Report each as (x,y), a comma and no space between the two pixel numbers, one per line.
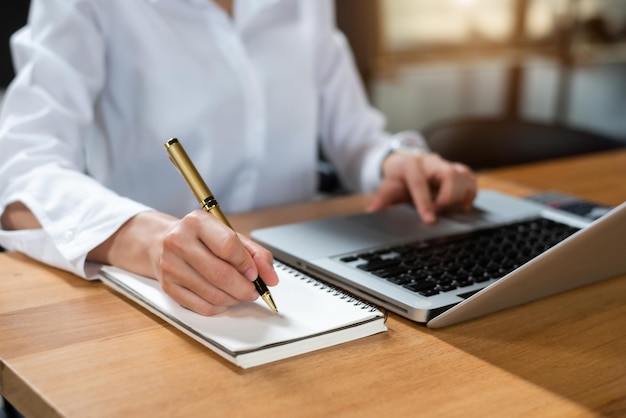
(420,286)
(442,264)
(400,280)
(392,271)
(429,292)
(464,282)
(349,259)
(446,287)
(378,264)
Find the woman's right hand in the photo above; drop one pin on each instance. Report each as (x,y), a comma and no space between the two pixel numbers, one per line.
(201,263)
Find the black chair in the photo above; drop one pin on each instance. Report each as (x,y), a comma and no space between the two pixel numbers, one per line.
(9,411)
(484,143)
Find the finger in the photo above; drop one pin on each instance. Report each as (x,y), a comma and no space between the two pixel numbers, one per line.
(419,190)
(389,193)
(470,195)
(264,261)
(190,300)
(211,251)
(452,189)
(405,179)
(195,300)
(218,277)
(225,244)
(188,288)
(456,185)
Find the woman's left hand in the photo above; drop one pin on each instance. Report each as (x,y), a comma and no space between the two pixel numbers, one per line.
(432,183)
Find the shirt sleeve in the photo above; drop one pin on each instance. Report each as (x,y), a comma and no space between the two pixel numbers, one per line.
(353,132)
(46,114)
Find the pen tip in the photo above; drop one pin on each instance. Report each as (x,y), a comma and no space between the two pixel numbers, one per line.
(267,297)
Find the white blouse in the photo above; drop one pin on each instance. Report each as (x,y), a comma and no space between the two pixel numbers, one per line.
(102,84)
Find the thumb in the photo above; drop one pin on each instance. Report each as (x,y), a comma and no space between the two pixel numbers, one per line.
(389,193)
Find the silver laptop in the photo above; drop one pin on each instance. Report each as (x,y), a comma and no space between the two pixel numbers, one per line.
(505,252)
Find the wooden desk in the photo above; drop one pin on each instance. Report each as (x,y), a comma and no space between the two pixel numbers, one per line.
(74,348)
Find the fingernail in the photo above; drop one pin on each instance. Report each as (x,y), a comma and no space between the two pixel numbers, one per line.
(429,218)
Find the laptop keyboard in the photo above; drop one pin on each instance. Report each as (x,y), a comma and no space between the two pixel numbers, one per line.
(444,264)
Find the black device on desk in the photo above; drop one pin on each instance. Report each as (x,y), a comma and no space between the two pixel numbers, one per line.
(571,204)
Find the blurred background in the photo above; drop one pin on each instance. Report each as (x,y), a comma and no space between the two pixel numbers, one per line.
(555,61)
(424,61)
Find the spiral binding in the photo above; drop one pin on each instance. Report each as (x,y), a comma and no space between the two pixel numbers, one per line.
(336,291)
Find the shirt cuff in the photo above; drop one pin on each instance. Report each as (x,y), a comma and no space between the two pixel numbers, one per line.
(68,250)
(372,167)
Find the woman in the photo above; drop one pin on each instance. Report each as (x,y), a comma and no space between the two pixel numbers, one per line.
(249,87)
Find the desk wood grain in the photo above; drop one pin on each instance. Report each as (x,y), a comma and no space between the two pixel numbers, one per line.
(74,348)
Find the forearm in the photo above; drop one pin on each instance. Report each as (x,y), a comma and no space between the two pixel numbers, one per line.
(132,246)
(17,216)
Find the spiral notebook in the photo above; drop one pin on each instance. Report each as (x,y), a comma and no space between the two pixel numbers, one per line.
(313,315)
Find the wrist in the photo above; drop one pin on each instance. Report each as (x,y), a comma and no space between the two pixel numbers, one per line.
(408,142)
(135,245)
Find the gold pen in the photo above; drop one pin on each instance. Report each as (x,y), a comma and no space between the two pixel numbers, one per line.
(181,161)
